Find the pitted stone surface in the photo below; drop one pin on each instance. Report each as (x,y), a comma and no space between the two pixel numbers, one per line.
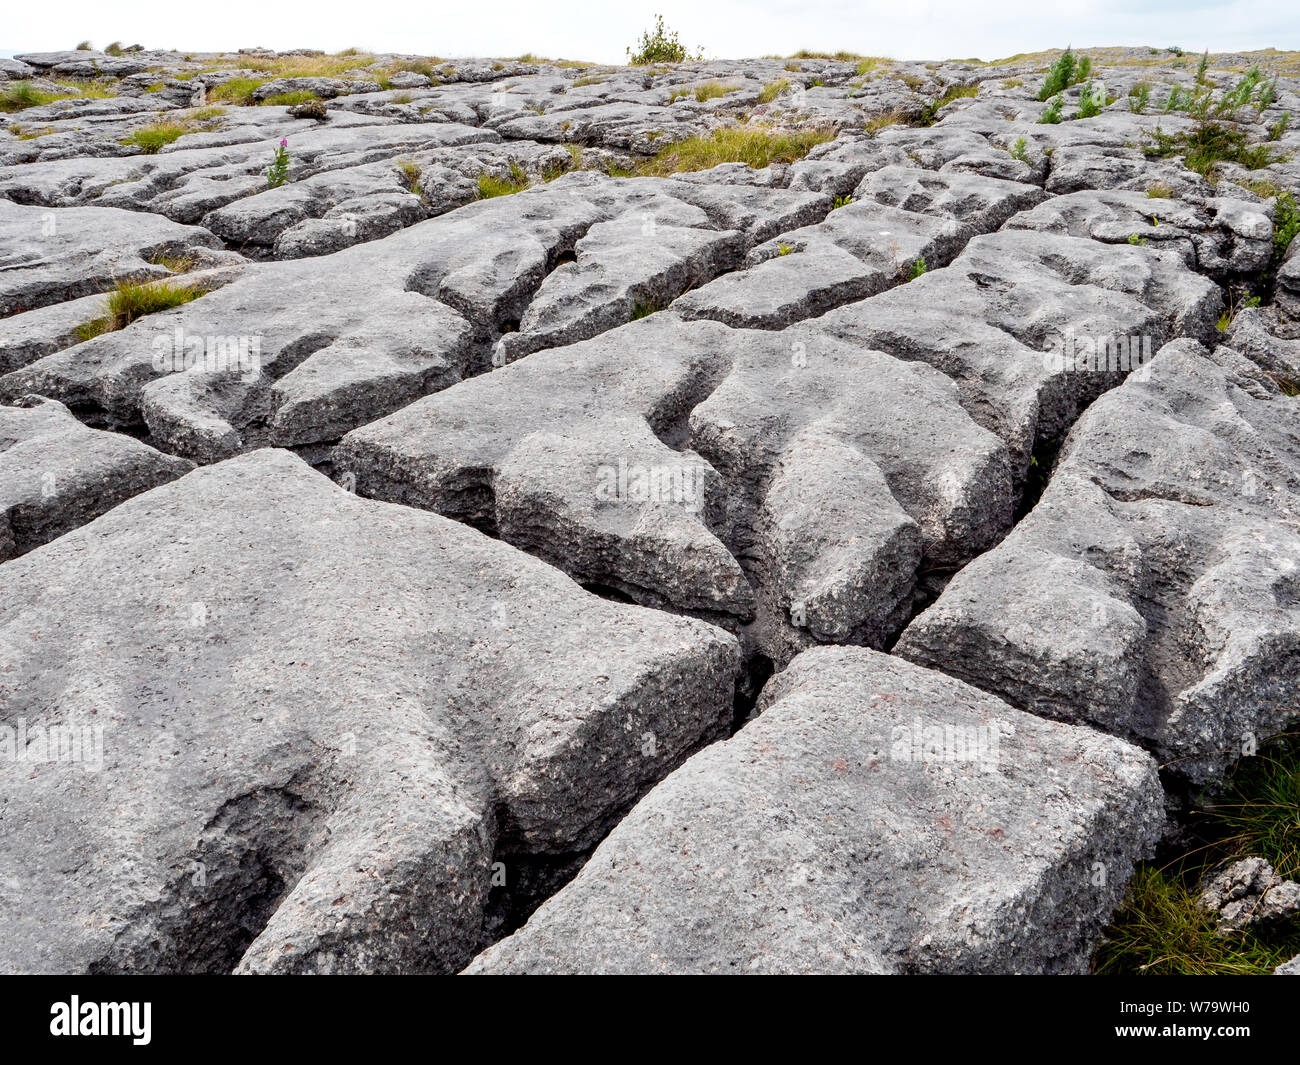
(336,708)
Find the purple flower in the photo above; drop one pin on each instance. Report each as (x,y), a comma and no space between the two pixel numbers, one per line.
(284,142)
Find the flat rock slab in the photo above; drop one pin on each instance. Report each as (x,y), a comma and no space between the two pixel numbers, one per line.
(54,255)
(1152,592)
(310,722)
(55,474)
(877,817)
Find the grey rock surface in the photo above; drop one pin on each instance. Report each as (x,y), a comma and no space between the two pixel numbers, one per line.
(1248,892)
(322,719)
(876,817)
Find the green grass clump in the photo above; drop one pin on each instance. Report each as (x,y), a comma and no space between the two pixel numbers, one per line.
(237,90)
(772,90)
(1160,928)
(1159,191)
(1052,112)
(757,147)
(713,90)
(21,95)
(1020,150)
(489,185)
(1138,97)
(953,92)
(152,138)
(290,99)
(130,300)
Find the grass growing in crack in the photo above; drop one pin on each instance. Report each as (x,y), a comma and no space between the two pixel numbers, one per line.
(237,90)
(21,95)
(644,310)
(1066,71)
(954,92)
(1020,150)
(489,185)
(756,147)
(152,138)
(1217,134)
(713,90)
(1138,97)
(1089,104)
(1160,929)
(1159,191)
(1286,225)
(772,90)
(916,269)
(130,300)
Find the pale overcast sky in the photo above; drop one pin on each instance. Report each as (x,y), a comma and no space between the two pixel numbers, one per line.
(600,30)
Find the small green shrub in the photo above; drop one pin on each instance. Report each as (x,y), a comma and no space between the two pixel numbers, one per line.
(916,270)
(278,172)
(1059,77)
(661,46)
(1138,97)
(1020,150)
(1052,113)
(772,90)
(1089,105)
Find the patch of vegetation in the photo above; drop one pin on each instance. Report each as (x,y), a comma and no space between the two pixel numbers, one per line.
(90,88)
(291,99)
(590,79)
(1262,188)
(237,90)
(1066,71)
(1052,112)
(660,46)
(1136,239)
(1159,191)
(644,310)
(841,201)
(1278,128)
(784,249)
(278,172)
(916,269)
(85,46)
(154,137)
(879,122)
(130,300)
(953,92)
(772,90)
(1217,135)
(1286,224)
(758,147)
(1160,928)
(1020,150)
(21,95)
(869,64)
(489,185)
(1089,105)
(1138,97)
(713,90)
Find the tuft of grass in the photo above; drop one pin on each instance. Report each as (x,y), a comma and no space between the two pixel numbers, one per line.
(1020,150)
(1159,191)
(21,95)
(89,88)
(1089,105)
(757,147)
(1138,97)
(713,90)
(772,90)
(916,269)
(953,92)
(152,138)
(644,310)
(1161,929)
(85,46)
(1264,189)
(130,300)
(871,63)
(841,201)
(590,79)
(889,118)
(489,185)
(237,90)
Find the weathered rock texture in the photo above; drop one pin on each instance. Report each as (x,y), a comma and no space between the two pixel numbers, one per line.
(613,442)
